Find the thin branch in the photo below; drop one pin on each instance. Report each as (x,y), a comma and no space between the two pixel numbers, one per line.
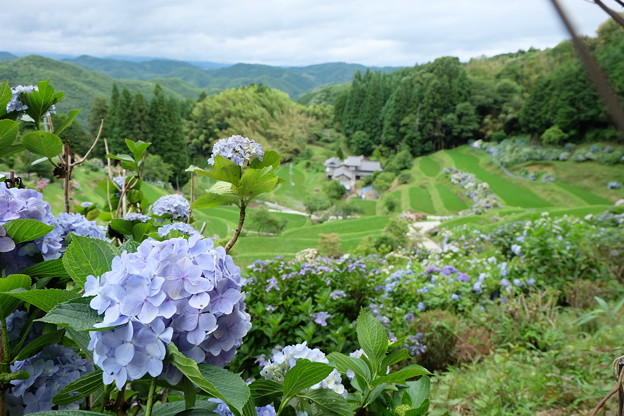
(615,15)
(595,73)
(110,176)
(241,221)
(608,396)
(92,146)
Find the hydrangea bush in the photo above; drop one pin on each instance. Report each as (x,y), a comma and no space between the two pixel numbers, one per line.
(162,309)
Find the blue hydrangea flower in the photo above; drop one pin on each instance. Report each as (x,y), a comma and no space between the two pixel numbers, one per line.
(135,216)
(321,318)
(183,291)
(182,227)
(175,205)
(15,104)
(16,322)
(53,244)
(6,243)
(223,409)
(50,370)
(23,204)
(238,149)
(20,204)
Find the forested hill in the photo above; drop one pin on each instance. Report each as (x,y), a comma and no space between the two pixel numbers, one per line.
(81,86)
(294,81)
(446,103)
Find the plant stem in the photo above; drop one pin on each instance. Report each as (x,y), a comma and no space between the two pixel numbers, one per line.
(4,362)
(241,221)
(150,397)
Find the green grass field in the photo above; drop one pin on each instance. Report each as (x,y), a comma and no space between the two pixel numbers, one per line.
(429,166)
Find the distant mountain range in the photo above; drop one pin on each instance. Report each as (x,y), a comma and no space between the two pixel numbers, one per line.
(212,77)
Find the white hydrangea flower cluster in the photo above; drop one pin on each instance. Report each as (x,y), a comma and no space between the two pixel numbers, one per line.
(284,360)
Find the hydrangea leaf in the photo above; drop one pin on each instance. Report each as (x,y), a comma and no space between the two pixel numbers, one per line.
(270,158)
(26,230)
(50,268)
(122,226)
(71,116)
(175,408)
(39,101)
(344,363)
(140,231)
(372,337)
(224,170)
(37,344)
(395,357)
(43,143)
(211,200)
(137,148)
(220,383)
(402,375)
(5,97)
(257,181)
(79,388)
(44,299)
(75,314)
(417,392)
(67,413)
(8,133)
(304,375)
(265,392)
(9,303)
(87,256)
(329,403)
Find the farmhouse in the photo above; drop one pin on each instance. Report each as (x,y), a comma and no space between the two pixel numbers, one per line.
(351,169)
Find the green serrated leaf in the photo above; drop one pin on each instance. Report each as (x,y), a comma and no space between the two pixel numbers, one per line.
(137,148)
(44,299)
(270,158)
(344,363)
(372,337)
(87,256)
(66,413)
(38,343)
(224,170)
(81,339)
(265,392)
(122,226)
(26,230)
(12,282)
(329,403)
(50,268)
(394,357)
(5,96)
(304,375)
(214,380)
(418,392)
(67,122)
(402,375)
(79,388)
(75,314)
(257,181)
(174,408)
(130,246)
(40,100)
(8,132)
(11,149)
(141,231)
(211,200)
(43,143)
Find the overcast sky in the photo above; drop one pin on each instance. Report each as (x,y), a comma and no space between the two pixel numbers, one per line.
(289,32)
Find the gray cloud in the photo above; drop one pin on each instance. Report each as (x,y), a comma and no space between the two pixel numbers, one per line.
(290,32)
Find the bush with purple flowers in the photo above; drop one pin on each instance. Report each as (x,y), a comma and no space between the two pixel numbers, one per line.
(182,291)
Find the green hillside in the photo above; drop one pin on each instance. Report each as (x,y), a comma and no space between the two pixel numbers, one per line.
(80,86)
